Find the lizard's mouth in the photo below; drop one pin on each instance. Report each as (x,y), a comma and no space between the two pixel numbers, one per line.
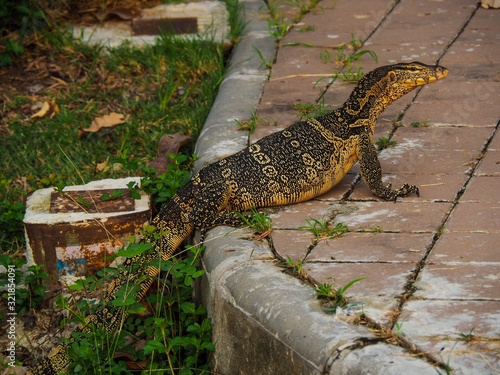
(440,73)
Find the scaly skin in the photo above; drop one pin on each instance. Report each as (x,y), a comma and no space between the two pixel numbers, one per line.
(293,165)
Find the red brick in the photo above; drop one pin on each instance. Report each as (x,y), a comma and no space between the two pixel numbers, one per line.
(292,243)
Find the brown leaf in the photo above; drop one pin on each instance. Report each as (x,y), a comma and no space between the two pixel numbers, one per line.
(106,121)
(169,144)
(47,110)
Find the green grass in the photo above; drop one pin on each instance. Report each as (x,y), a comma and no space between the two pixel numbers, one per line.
(165,88)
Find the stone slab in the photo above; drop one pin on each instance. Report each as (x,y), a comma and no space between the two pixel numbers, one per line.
(490,164)
(482,189)
(412,217)
(437,328)
(292,243)
(475,217)
(387,279)
(372,247)
(466,247)
(462,281)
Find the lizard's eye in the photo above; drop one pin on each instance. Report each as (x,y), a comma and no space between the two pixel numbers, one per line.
(413,69)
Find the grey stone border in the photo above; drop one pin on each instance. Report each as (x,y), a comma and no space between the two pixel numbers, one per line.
(264,321)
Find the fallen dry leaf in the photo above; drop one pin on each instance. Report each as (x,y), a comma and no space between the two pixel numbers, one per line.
(47,110)
(106,121)
(169,144)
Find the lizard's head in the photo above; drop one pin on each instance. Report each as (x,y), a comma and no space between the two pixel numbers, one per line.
(403,78)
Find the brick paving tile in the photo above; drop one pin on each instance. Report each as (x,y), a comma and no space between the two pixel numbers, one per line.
(470,35)
(472,52)
(395,160)
(482,189)
(395,53)
(459,281)
(475,217)
(292,243)
(293,217)
(433,187)
(490,165)
(436,327)
(484,19)
(441,138)
(466,247)
(391,217)
(495,143)
(386,279)
(384,247)
(467,112)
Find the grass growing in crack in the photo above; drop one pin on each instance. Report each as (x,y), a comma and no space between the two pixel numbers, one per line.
(384,142)
(399,327)
(296,267)
(264,63)
(251,123)
(350,69)
(322,228)
(258,222)
(333,297)
(421,124)
(311,110)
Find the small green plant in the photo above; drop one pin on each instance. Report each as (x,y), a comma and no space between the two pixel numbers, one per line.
(114,195)
(265,63)
(306,29)
(259,222)
(467,337)
(322,228)
(384,142)
(421,124)
(175,335)
(296,267)
(237,21)
(251,123)
(28,293)
(311,110)
(334,297)
(375,229)
(398,326)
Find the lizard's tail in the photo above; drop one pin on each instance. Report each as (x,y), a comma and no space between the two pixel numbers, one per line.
(170,232)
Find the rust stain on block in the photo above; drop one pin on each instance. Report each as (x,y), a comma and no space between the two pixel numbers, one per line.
(90,201)
(181,25)
(71,242)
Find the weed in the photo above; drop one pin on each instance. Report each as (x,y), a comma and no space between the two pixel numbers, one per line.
(251,123)
(384,142)
(310,110)
(399,327)
(306,29)
(237,20)
(421,124)
(31,292)
(334,297)
(296,267)
(375,229)
(175,337)
(322,228)
(259,222)
(266,63)
(467,337)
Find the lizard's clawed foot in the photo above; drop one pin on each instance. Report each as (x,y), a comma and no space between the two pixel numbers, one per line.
(391,195)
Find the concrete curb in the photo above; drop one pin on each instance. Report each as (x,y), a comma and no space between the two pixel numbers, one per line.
(266,322)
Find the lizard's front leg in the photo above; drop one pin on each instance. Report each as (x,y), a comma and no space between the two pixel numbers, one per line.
(372,172)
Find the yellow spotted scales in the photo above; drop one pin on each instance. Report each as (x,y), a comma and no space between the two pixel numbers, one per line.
(293,165)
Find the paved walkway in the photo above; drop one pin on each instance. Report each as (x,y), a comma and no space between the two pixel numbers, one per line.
(431,263)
